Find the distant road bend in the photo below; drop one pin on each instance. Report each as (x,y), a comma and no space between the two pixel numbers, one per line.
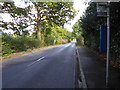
(50,68)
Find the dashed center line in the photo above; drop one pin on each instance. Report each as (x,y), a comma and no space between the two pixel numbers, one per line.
(36,61)
(41,58)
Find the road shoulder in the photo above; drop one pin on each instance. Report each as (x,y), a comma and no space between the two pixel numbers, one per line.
(25,52)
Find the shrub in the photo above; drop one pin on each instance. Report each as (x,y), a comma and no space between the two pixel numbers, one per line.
(16,44)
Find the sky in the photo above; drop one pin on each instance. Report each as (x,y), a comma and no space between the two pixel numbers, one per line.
(78,5)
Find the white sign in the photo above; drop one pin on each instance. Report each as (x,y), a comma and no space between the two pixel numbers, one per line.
(102,9)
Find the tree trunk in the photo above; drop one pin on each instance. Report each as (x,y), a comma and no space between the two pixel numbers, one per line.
(38,23)
(38,31)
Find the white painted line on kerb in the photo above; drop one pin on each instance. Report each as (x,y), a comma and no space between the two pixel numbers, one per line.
(36,61)
(84,84)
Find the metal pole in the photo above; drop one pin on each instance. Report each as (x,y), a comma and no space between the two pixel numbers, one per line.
(108,45)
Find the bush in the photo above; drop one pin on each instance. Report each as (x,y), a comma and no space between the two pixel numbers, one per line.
(16,44)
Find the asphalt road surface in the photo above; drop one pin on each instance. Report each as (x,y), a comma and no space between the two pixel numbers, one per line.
(50,68)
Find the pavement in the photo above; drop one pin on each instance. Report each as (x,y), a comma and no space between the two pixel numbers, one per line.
(94,70)
(50,68)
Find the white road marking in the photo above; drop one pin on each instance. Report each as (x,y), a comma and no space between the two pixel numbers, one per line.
(67,45)
(36,61)
(84,84)
(41,58)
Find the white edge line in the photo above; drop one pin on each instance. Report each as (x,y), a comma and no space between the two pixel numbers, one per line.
(81,71)
(36,61)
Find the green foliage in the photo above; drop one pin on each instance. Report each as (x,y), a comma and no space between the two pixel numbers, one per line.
(52,12)
(90,24)
(77,34)
(16,44)
(20,17)
(56,35)
(48,19)
(115,30)
(57,12)
(47,13)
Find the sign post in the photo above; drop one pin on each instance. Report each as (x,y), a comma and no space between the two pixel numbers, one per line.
(103,11)
(108,44)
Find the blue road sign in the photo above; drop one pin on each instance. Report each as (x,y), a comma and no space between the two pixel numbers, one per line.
(103,38)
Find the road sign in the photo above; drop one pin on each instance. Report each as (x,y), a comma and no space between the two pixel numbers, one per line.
(103,38)
(102,9)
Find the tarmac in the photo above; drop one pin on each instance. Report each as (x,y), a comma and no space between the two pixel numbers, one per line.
(94,70)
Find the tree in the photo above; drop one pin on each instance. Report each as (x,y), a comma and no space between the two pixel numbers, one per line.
(56,35)
(77,33)
(19,17)
(56,12)
(45,13)
(90,24)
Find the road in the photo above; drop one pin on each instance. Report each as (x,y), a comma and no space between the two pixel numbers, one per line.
(50,68)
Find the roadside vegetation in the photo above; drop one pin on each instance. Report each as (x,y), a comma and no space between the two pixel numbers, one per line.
(77,34)
(88,29)
(16,43)
(35,25)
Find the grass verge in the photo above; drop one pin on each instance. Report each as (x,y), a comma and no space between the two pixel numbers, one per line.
(24,52)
